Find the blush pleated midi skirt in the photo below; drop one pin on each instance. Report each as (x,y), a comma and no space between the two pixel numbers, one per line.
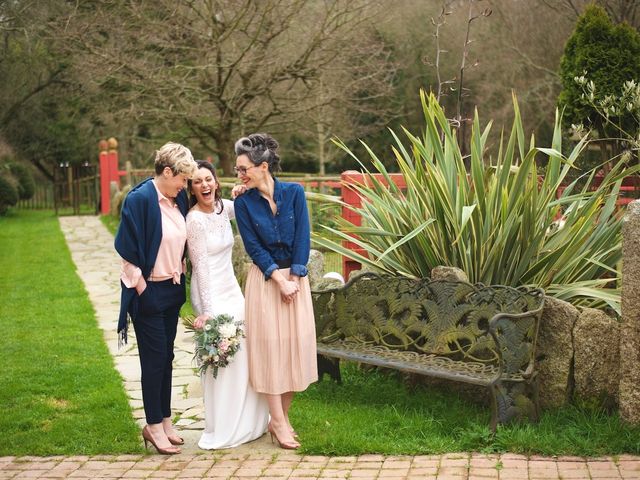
(281,337)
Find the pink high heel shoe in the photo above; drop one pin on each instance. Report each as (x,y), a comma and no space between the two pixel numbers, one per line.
(284,445)
(162,451)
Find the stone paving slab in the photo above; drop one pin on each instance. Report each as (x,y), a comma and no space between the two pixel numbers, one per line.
(98,266)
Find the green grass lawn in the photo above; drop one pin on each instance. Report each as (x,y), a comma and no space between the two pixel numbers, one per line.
(110,222)
(59,391)
(376,412)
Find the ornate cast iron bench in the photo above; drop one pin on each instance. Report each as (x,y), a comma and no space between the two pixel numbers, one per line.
(445,329)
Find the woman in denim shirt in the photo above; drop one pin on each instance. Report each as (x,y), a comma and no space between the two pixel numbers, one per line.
(273,221)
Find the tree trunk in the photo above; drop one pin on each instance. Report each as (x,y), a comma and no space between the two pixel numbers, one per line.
(321,151)
(226,155)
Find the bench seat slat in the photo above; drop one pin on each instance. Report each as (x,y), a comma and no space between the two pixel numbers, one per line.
(476,373)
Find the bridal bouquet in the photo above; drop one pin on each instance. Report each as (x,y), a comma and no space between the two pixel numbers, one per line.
(216,343)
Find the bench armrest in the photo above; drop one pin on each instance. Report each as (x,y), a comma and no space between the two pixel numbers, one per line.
(515,336)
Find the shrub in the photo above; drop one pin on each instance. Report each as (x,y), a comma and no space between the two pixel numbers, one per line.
(26,184)
(8,195)
(609,53)
(498,221)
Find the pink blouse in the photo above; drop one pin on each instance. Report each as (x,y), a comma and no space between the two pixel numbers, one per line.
(169,263)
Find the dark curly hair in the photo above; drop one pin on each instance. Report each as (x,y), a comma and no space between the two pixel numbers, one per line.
(217,197)
(260,147)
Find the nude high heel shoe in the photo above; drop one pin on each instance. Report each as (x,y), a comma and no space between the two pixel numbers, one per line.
(146,436)
(283,445)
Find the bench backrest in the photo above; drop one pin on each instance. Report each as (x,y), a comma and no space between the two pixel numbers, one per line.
(450,318)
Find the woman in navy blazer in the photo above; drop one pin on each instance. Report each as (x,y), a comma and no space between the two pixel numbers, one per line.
(151,240)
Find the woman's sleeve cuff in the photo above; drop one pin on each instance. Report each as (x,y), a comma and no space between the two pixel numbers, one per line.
(299,270)
(272,268)
(130,274)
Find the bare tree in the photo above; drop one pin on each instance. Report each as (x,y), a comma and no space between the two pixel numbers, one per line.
(456,85)
(351,97)
(30,73)
(519,51)
(460,121)
(212,69)
(25,68)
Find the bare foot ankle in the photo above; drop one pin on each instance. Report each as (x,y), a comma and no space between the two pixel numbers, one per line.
(171,432)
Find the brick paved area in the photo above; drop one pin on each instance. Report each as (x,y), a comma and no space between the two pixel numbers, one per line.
(286,465)
(92,250)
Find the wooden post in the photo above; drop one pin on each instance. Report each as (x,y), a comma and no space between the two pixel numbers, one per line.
(108,172)
(103,162)
(114,175)
(351,197)
(70,191)
(56,198)
(129,178)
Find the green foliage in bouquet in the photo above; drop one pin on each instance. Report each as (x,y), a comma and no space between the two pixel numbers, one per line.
(499,220)
(216,342)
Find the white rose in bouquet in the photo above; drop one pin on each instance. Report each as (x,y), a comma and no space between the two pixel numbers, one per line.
(227,330)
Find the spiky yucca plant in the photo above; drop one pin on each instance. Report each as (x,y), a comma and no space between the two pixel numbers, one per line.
(497,221)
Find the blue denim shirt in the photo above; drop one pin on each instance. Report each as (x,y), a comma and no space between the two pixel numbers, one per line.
(269,238)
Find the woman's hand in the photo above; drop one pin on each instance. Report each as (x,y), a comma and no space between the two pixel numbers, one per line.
(289,288)
(141,286)
(238,190)
(199,322)
(296,280)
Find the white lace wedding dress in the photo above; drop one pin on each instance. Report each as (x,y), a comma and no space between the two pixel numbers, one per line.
(233,412)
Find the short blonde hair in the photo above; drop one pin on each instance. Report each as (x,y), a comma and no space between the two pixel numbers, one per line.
(177,157)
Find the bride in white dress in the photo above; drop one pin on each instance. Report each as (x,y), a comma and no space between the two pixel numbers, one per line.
(233,412)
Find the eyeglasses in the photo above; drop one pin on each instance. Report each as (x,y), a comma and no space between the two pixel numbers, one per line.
(242,170)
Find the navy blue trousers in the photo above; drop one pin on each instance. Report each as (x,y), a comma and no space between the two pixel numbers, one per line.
(155,325)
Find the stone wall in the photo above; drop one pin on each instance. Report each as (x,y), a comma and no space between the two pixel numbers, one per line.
(578,355)
(597,357)
(555,352)
(585,354)
(241,261)
(630,326)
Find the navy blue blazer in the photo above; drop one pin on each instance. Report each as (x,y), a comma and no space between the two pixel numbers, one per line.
(138,240)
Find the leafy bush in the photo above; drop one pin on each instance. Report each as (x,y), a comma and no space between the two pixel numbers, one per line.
(8,195)
(609,55)
(499,222)
(26,184)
